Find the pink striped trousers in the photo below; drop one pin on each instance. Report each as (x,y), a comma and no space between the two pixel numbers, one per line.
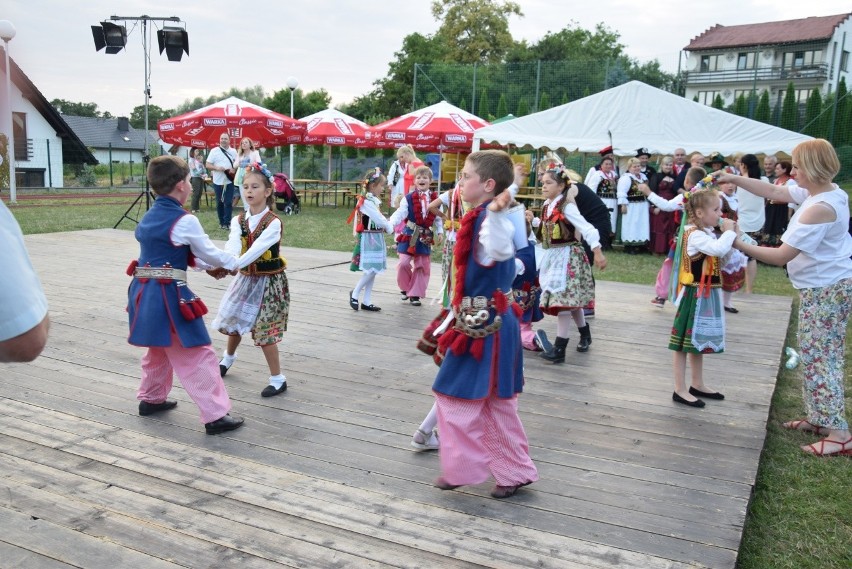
(198,371)
(483,437)
(528,336)
(412,274)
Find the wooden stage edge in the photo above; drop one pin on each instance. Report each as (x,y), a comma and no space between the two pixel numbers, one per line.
(323,475)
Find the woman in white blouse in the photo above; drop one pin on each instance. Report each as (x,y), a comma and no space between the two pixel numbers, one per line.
(816,247)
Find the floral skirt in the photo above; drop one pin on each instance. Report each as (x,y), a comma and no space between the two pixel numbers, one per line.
(823,316)
(256,304)
(566,279)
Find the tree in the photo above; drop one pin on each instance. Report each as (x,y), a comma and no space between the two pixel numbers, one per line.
(475,30)
(155,113)
(718,103)
(842,127)
(483,109)
(523,108)
(564,99)
(78,109)
(304,104)
(544,102)
(502,106)
(790,109)
(813,110)
(741,105)
(762,113)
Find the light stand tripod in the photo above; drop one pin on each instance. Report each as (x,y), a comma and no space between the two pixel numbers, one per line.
(146,193)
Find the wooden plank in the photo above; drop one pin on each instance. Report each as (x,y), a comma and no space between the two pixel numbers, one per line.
(628,478)
(15,557)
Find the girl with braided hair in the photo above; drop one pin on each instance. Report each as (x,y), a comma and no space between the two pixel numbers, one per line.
(258,300)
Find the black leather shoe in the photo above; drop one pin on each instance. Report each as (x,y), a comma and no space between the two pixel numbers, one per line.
(715,395)
(146,408)
(731,309)
(414,300)
(226,423)
(270,390)
(353,302)
(370,307)
(223,369)
(678,399)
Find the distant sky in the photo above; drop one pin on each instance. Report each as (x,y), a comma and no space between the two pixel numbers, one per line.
(342,46)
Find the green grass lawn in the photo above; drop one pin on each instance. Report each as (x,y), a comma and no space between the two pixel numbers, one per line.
(801,513)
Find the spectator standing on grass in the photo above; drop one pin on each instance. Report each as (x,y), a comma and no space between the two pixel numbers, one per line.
(222,162)
(816,249)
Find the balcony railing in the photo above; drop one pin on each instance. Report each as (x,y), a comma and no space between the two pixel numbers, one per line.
(812,72)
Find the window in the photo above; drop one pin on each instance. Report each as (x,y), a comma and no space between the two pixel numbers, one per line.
(707,97)
(802,95)
(745,61)
(709,63)
(19,131)
(844,61)
(802,58)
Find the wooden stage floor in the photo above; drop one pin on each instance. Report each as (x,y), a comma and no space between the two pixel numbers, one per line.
(323,475)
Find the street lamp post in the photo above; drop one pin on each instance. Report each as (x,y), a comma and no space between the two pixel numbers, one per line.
(292,83)
(7,32)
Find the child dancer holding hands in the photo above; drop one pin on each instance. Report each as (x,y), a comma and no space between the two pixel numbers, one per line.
(414,243)
(370,254)
(258,300)
(699,325)
(565,275)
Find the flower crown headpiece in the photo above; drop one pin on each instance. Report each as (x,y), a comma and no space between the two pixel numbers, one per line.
(259,167)
(702,184)
(373,176)
(559,170)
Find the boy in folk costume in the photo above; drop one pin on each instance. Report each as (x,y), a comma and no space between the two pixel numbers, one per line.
(165,315)
(477,386)
(414,243)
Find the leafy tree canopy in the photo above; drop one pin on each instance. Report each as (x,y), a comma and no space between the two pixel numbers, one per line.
(475,31)
(155,113)
(79,109)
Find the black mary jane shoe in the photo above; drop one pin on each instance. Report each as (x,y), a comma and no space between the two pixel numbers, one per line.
(731,309)
(715,395)
(370,307)
(678,399)
(353,302)
(226,423)
(271,390)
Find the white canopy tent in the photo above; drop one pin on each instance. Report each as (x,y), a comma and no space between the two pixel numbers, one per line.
(636,115)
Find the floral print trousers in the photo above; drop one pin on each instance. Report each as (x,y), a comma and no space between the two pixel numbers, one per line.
(823,315)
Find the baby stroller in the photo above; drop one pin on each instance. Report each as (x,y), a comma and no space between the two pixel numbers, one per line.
(286,199)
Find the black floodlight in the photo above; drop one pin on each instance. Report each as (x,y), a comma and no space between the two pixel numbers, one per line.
(174,40)
(110,36)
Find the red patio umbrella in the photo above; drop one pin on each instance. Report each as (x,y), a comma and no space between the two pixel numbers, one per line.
(333,128)
(203,127)
(441,126)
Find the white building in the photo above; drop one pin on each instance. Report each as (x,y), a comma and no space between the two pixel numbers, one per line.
(43,141)
(813,53)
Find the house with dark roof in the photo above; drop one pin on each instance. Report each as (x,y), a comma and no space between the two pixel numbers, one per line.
(728,61)
(43,140)
(114,139)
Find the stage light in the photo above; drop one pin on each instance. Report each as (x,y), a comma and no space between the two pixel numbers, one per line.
(174,41)
(110,36)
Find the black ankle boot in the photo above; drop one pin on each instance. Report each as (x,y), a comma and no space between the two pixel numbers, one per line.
(557,354)
(585,339)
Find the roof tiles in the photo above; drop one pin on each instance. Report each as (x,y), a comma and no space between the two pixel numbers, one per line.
(768,33)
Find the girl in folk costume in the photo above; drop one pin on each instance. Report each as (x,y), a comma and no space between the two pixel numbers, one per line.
(635,223)
(370,254)
(414,243)
(528,292)
(246,155)
(699,324)
(451,209)
(663,223)
(565,275)
(733,263)
(604,182)
(258,300)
